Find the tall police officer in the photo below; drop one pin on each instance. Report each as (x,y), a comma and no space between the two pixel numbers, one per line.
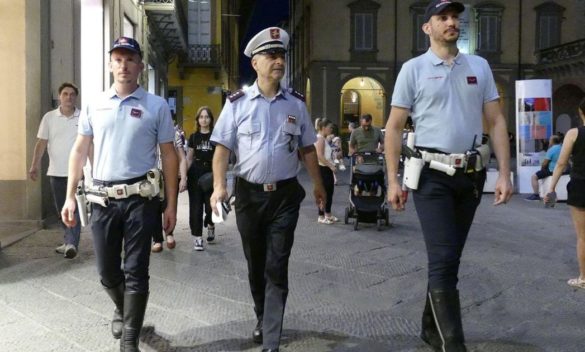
(447,93)
(125,125)
(266,126)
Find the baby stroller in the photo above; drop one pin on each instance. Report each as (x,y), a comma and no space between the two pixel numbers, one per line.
(367,190)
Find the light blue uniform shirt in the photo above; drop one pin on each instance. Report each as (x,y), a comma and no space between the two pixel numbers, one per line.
(264,133)
(446,102)
(126,133)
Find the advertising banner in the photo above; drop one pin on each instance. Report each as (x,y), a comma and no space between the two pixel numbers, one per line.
(534,126)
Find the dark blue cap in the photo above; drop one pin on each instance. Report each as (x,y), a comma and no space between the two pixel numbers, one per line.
(438,6)
(128,44)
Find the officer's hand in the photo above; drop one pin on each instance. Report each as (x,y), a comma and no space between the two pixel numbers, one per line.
(503,191)
(396,197)
(33,173)
(320,195)
(169,219)
(218,195)
(183,184)
(68,213)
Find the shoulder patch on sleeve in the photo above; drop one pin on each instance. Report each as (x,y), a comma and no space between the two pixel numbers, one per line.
(237,95)
(296,94)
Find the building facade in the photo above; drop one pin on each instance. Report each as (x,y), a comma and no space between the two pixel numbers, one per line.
(348,53)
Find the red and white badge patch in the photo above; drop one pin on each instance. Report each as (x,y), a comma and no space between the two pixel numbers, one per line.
(471,80)
(137,113)
(275,33)
(291,119)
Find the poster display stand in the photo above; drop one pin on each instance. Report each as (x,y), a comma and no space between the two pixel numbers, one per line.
(533,128)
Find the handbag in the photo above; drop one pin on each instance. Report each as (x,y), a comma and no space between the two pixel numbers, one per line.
(205,182)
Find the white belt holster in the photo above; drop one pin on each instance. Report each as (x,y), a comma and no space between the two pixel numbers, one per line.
(151,187)
(457,161)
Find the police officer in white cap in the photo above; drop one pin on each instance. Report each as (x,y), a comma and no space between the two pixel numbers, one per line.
(266,126)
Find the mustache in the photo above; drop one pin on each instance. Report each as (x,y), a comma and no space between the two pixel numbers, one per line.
(453,29)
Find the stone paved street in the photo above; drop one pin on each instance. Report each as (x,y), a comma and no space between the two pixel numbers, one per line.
(359,291)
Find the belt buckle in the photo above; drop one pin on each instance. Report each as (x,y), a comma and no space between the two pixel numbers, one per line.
(120,191)
(269,187)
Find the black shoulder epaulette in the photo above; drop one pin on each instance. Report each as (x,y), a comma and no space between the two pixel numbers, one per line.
(296,94)
(237,95)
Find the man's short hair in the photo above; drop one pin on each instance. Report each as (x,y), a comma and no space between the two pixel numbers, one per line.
(68,85)
(366,117)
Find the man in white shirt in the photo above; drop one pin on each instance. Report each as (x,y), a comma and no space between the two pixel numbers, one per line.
(57,131)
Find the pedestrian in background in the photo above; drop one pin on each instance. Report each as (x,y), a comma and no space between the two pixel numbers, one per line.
(574,148)
(267,127)
(57,131)
(159,234)
(366,138)
(447,93)
(327,168)
(126,124)
(548,165)
(200,185)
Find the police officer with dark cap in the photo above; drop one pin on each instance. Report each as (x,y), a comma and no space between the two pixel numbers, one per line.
(446,92)
(267,127)
(125,124)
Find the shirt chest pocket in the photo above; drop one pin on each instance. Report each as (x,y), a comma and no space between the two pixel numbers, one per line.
(249,135)
(290,135)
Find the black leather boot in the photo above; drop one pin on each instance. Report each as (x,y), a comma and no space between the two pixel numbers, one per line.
(117,295)
(429,333)
(134,308)
(446,310)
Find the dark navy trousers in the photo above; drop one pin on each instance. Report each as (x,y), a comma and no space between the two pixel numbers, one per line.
(125,224)
(446,206)
(266,222)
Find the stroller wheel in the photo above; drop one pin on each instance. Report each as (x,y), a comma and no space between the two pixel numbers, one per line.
(346,220)
(355,224)
(379,224)
(387,216)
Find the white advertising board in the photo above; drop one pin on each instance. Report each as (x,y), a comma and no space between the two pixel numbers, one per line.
(533,128)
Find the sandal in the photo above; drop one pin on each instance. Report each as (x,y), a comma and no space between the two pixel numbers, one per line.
(577,282)
(171,242)
(157,247)
(324,220)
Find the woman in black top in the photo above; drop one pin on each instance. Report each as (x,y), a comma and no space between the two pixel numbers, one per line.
(199,180)
(574,147)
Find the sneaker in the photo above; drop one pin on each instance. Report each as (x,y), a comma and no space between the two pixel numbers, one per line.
(533,196)
(210,233)
(342,167)
(332,218)
(61,249)
(198,243)
(70,251)
(156,247)
(324,220)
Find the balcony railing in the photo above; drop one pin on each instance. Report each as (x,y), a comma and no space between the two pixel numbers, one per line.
(562,53)
(168,16)
(203,55)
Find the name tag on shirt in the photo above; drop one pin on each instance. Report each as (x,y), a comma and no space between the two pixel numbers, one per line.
(291,119)
(136,113)
(471,80)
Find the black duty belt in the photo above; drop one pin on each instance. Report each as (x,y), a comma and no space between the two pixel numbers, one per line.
(265,187)
(129,181)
